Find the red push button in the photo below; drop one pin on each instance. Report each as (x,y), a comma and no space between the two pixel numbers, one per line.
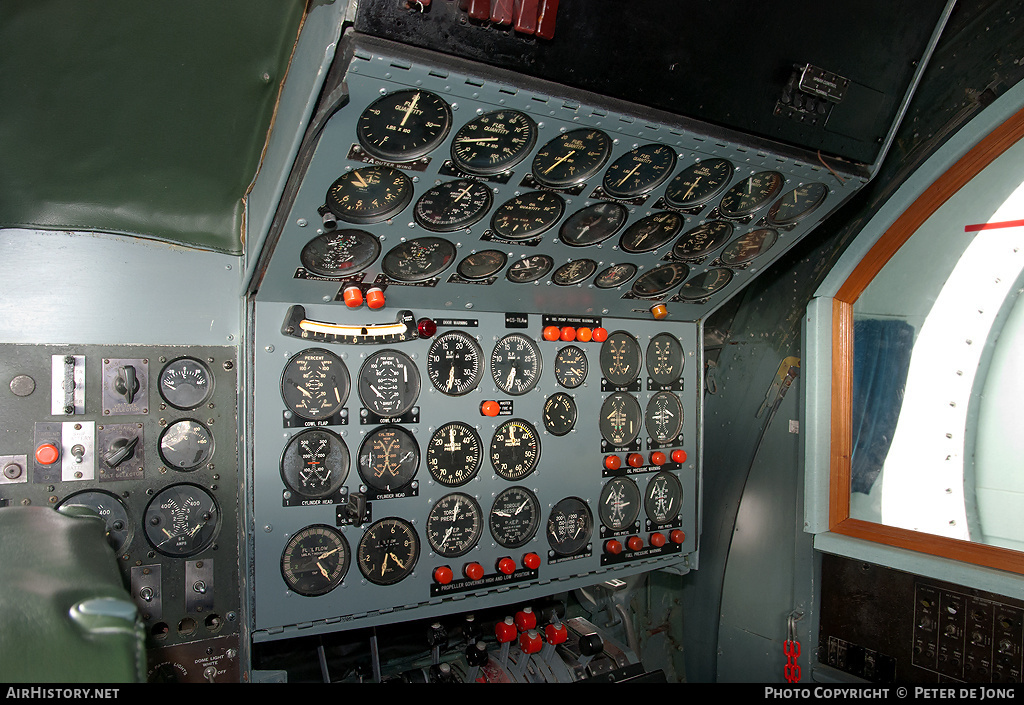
(552,333)
(353,296)
(657,539)
(443,575)
(426,328)
(375,298)
(47,454)
(635,543)
(613,462)
(658,458)
(600,335)
(490,408)
(568,334)
(635,460)
(507,566)
(613,547)
(677,536)
(679,456)
(584,334)
(473,571)
(531,561)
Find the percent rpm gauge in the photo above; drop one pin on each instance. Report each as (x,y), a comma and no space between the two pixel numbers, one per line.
(571,158)
(453,205)
(494,142)
(516,364)
(404,125)
(315,560)
(638,171)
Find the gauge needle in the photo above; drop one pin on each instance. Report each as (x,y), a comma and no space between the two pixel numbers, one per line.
(323,571)
(451,383)
(511,377)
(360,181)
(303,391)
(559,161)
(395,559)
(324,555)
(692,187)
(412,106)
(521,507)
(462,193)
(631,172)
(479,139)
(447,534)
(374,389)
(384,564)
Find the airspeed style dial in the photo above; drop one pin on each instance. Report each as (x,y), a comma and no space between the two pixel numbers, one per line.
(516,364)
(388,551)
(515,517)
(454,454)
(454,525)
(315,463)
(315,560)
(454,363)
(494,142)
(315,384)
(404,125)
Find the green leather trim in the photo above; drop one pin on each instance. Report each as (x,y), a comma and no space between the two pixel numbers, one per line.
(138,118)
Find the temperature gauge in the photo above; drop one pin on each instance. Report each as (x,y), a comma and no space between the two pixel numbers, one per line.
(186,383)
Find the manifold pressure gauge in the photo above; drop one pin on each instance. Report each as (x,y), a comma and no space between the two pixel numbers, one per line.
(515,449)
(404,125)
(315,560)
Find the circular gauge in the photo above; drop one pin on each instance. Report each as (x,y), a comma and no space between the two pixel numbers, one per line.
(659,280)
(340,252)
(514,517)
(454,454)
(516,364)
(797,204)
(749,247)
(515,449)
(186,444)
(615,275)
(621,419)
(698,183)
(527,215)
(621,359)
(404,125)
(571,158)
(571,367)
(388,551)
(186,383)
(389,383)
(702,240)
(370,194)
(639,171)
(111,510)
(454,363)
(751,194)
(664,359)
(663,498)
(315,560)
(529,269)
(664,417)
(570,526)
(181,520)
(481,265)
(315,463)
(315,384)
(575,272)
(494,142)
(650,233)
(388,458)
(453,205)
(705,284)
(418,260)
(559,414)
(619,504)
(454,525)
(593,224)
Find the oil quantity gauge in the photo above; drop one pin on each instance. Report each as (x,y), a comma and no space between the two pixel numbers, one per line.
(315,560)
(404,125)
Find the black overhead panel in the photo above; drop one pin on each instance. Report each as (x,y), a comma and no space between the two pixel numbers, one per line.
(734,64)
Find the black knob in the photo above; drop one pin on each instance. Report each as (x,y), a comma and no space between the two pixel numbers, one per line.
(470,627)
(476,654)
(591,644)
(437,635)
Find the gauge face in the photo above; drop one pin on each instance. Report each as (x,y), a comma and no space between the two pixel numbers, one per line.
(664,359)
(615,275)
(516,364)
(186,383)
(315,560)
(370,194)
(514,517)
(660,280)
(454,525)
(663,498)
(515,449)
(315,463)
(751,194)
(664,417)
(650,233)
(404,125)
(454,363)
(186,444)
(619,504)
(593,224)
(388,551)
(454,454)
(571,158)
(705,284)
(340,253)
(749,247)
(797,204)
(389,383)
(570,526)
(702,240)
(388,458)
(639,171)
(418,260)
(575,272)
(571,367)
(494,142)
(482,265)
(115,517)
(699,183)
(529,269)
(315,384)
(621,359)
(621,419)
(559,414)
(453,205)
(527,215)
(181,520)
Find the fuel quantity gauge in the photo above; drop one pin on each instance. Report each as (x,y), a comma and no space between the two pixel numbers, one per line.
(494,142)
(639,171)
(571,158)
(751,194)
(404,125)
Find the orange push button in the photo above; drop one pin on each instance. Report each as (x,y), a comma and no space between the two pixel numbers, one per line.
(599,335)
(552,333)
(353,296)
(47,454)
(568,334)
(490,408)
(375,298)
(658,458)
(584,334)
